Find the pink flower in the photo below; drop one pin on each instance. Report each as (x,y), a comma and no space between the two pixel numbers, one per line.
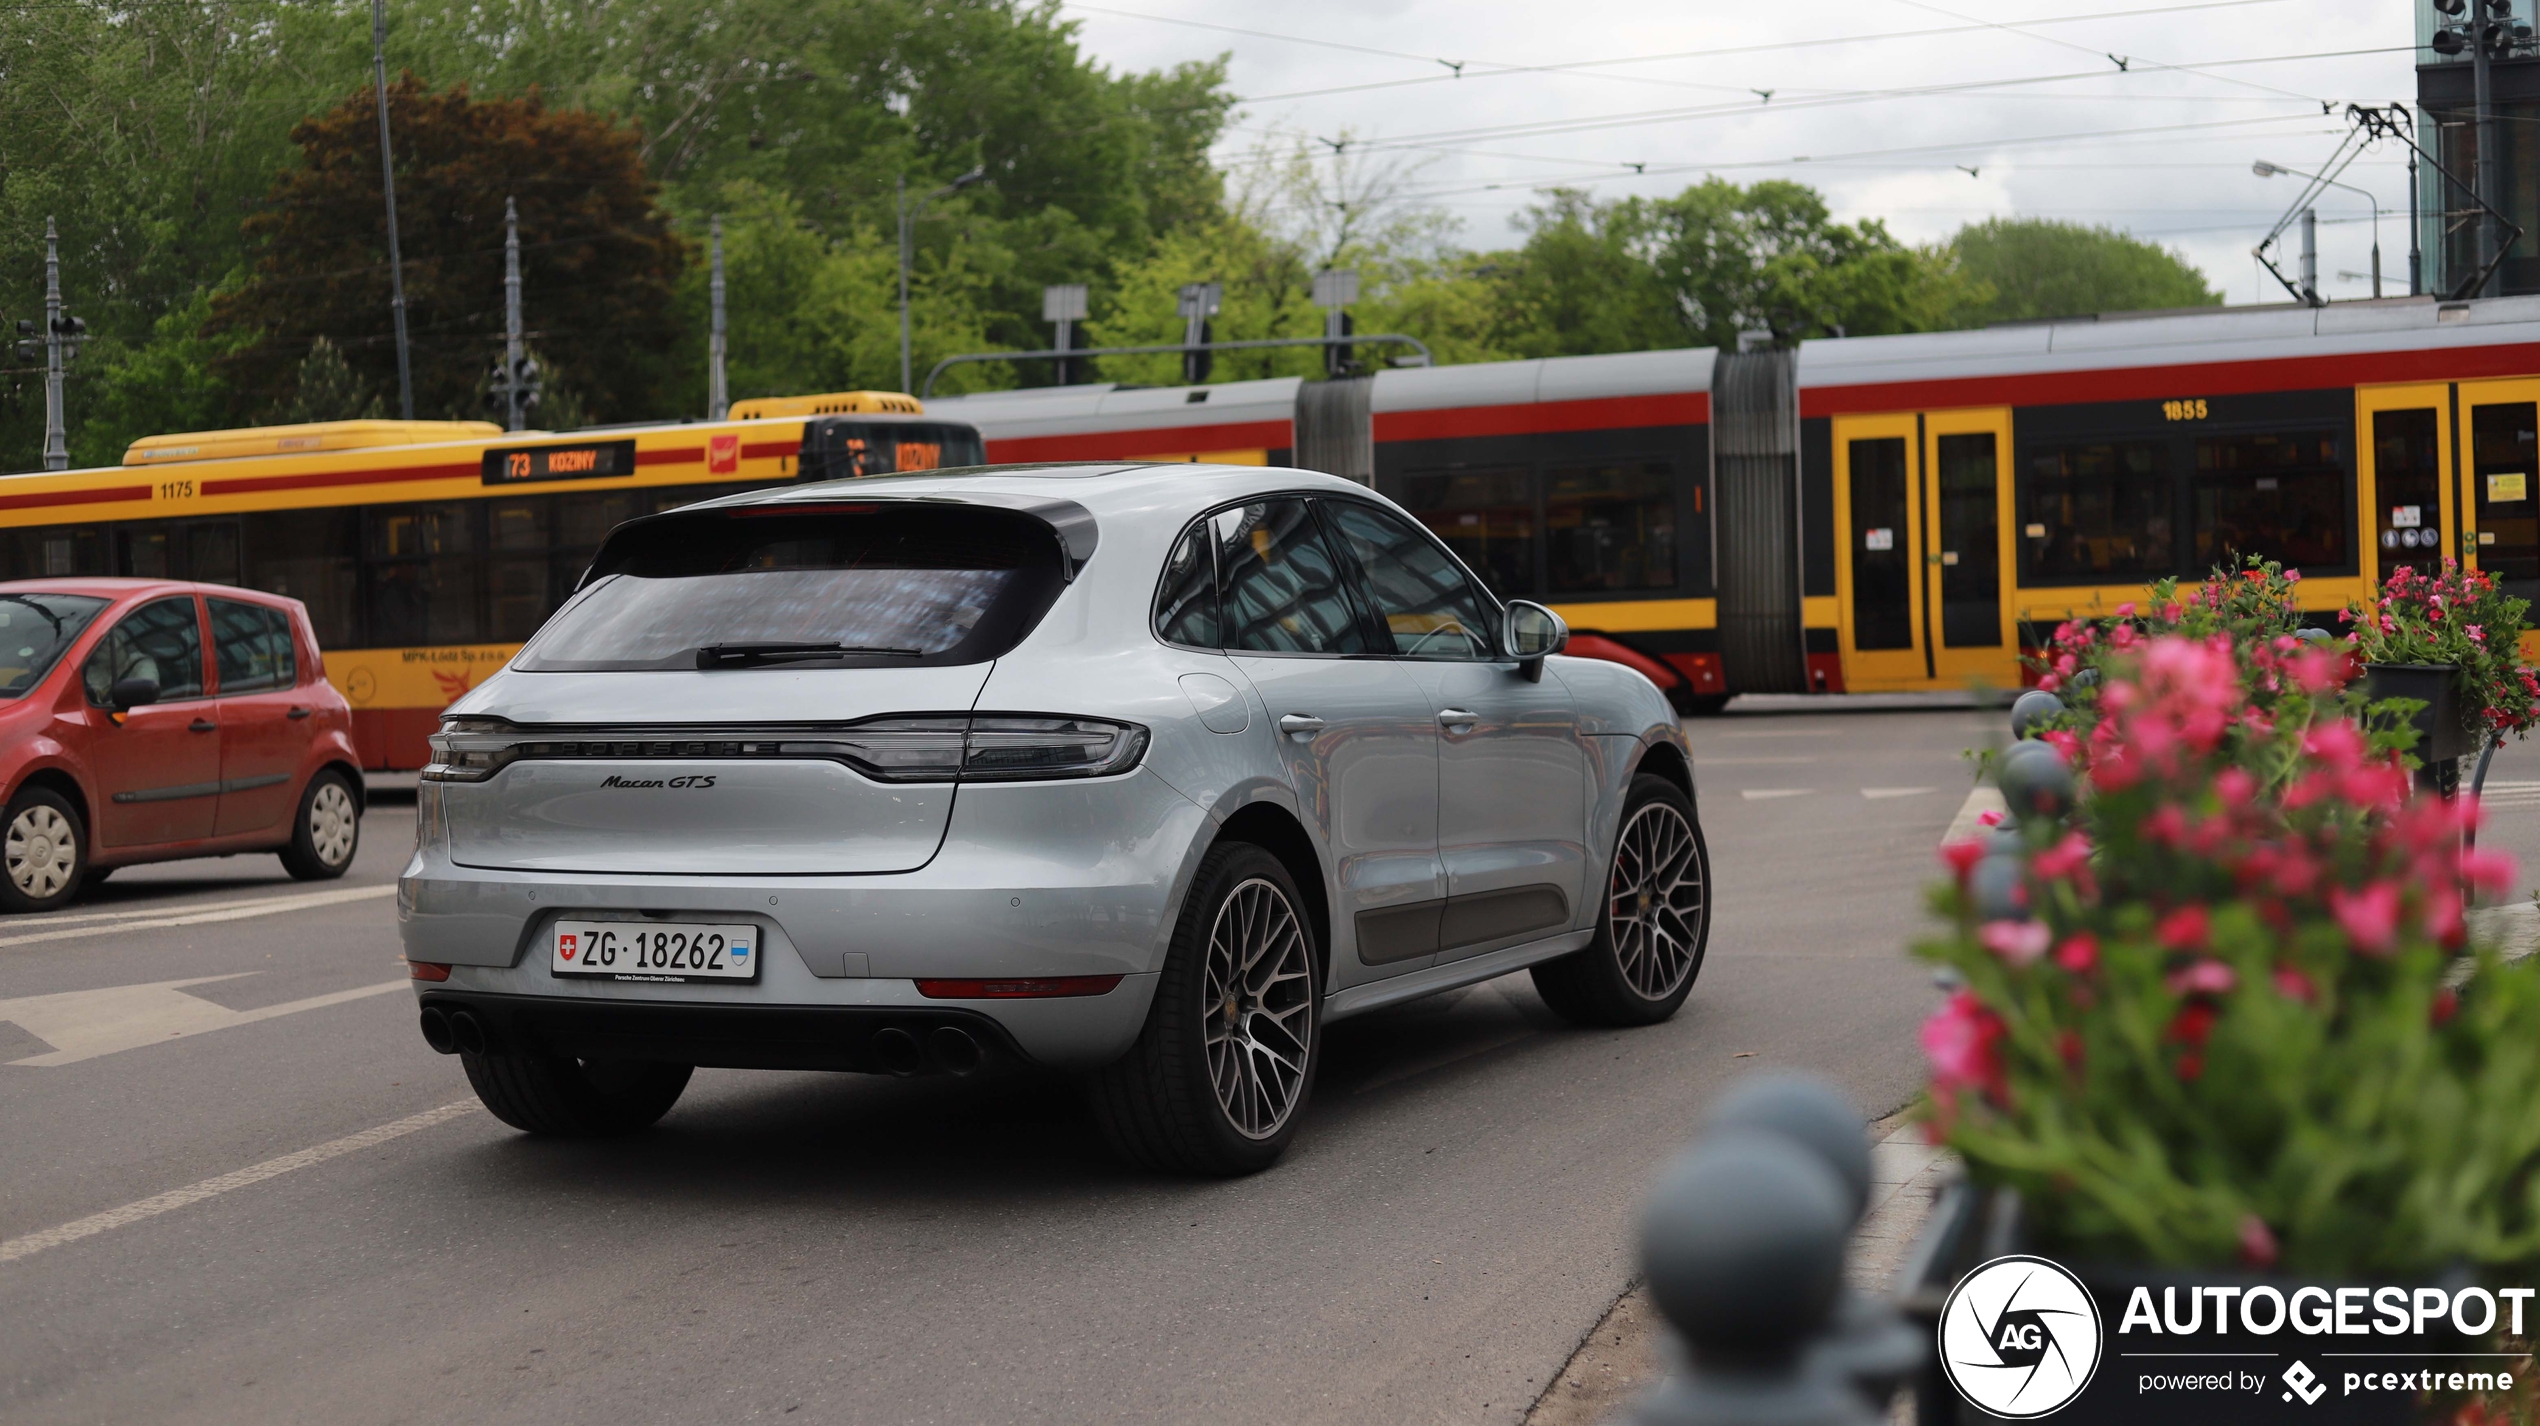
(2257,1242)
(2126,610)
(2205,977)
(1962,856)
(2079,953)
(2293,985)
(2447,1003)
(1959,1040)
(2018,942)
(2478,633)
(2488,870)
(2370,916)
(2235,787)
(2063,859)
(2166,827)
(2184,929)
(1989,818)
(2339,744)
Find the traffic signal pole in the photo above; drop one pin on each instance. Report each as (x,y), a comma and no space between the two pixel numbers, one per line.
(57,447)
(388,188)
(2491,189)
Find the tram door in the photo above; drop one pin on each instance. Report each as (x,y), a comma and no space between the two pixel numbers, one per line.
(2500,474)
(1922,505)
(2405,448)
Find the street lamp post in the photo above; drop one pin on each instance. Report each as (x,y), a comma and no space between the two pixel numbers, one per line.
(908,225)
(2264,169)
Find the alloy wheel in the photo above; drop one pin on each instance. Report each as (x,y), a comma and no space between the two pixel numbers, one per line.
(1657,900)
(331,824)
(1259,1003)
(41,852)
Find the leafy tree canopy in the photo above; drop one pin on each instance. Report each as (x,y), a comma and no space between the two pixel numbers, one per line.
(2037,267)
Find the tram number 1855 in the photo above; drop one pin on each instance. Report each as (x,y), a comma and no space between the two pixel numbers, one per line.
(2183,410)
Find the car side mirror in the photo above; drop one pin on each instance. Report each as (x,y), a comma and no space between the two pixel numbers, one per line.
(131,693)
(1530,633)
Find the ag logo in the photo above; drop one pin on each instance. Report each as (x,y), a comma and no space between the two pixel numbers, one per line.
(2019,1337)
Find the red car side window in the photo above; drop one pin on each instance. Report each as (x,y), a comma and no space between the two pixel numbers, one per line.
(252,647)
(159,641)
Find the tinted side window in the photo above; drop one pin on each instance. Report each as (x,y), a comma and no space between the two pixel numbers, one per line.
(1186,602)
(160,642)
(1279,589)
(1428,606)
(251,646)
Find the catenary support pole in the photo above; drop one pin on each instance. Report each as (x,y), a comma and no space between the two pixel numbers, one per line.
(718,396)
(388,190)
(511,315)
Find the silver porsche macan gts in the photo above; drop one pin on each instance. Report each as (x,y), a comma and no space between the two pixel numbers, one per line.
(1148,773)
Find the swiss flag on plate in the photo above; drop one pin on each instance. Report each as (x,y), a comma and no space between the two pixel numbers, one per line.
(723,454)
(566,945)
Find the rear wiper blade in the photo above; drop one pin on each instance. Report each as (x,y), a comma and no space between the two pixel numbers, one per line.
(725,655)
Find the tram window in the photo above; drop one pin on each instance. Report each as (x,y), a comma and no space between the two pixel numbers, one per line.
(1882,560)
(51,553)
(2098,511)
(2407,475)
(518,593)
(2273,496)
(212,552)
(143,553)
(308,555)
(1487,517)
(420,575)
(1970,541)
(1610,527)
(2505,478)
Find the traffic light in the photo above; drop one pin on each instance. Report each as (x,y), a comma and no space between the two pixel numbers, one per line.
(72,330)
(30,342)
(509,376)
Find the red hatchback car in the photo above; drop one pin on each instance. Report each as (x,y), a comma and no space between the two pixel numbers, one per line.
(144,720)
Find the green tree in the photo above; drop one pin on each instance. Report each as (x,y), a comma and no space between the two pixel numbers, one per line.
(326,389)
(170,381)
(599,262)
(2037,267)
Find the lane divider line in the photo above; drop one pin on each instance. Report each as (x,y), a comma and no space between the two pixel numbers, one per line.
(27,1245)
(85,1024)
(205,915)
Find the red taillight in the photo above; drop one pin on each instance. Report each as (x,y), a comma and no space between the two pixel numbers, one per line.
(427,970)
(1046,987)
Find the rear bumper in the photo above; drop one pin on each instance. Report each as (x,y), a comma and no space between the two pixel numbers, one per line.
(800,1037)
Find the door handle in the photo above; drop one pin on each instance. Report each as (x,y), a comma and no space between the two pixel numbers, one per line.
(1457,720)
(1300,725)
(297,713)
(201,725)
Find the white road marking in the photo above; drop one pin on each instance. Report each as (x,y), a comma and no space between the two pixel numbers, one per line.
(2509,796)
(198,915)
(12,1249)
(1876,794)
(83,1024)
(1766,794)
(1751,762)
(1783,733)
(1982,798)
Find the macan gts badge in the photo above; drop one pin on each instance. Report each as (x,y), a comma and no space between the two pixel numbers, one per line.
(1147,773)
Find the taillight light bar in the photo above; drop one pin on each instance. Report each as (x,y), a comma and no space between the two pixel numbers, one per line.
(1047,987)
(955,747)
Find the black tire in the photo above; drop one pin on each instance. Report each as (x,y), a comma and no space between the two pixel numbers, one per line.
(95,876)
(574,1099)
(1641,977)
(43,851)
(326,830)
(1160,1106)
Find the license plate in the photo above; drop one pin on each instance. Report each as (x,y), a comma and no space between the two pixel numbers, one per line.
(673,951)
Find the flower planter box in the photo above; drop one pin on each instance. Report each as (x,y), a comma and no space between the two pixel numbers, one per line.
(1972,1226)
(2442,735)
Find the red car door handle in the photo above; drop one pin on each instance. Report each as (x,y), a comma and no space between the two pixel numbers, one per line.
(298,713)
(201,725)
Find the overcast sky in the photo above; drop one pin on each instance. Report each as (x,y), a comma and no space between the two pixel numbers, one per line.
(1885,122)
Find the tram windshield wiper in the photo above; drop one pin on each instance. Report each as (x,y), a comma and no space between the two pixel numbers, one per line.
(742,655)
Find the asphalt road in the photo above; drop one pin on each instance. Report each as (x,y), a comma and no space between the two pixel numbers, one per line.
(258,1196)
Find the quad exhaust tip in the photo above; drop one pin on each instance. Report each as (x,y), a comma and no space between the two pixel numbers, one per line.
(895,1050)
(953,1050)
(436,1031)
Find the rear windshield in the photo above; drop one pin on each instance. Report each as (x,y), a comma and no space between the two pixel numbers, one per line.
(869,585)
(34,630)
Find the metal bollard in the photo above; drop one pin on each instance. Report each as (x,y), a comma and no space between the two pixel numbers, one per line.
(1743,1241)
(1869,1343)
